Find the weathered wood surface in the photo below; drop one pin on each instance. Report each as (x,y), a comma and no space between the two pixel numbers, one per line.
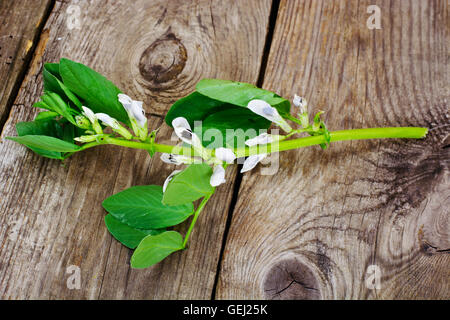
(312,229)
(309,231)
(20,22)
(51,215)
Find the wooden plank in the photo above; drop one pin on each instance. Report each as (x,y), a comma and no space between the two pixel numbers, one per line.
(20,22)
(313,229)
(51,215)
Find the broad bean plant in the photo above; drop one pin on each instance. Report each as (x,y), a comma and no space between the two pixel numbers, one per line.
(219,124)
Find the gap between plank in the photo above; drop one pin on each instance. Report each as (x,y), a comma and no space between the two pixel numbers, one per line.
(238,180)
(25,66)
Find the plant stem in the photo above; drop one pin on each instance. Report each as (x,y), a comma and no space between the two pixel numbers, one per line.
(294,119)
(342,135)
(196,214)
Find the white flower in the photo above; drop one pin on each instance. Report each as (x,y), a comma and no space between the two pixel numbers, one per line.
(297,100)
(88,113)
(136,114)
(134,109)
(184,132)
(108,121)
(252,161)
(218,176)
(225,154)
(169,178)
(114,124)
(263,138)
(265,110)
(301,103)
(176,159)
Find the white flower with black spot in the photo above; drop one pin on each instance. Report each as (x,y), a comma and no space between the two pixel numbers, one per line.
(262,108)
(136,114)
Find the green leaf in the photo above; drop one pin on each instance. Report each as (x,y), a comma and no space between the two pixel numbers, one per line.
(240,94)
(221,105)
(141,207)
(53,84)
(70,132)
(53,68)
(218,115)
(45,143)
(245,123)
(46,115)
(194,107)
(98,93)
(189,185)
(128,236)
(43,105)
(153,249)
(57,104)
(47,154)
(44,127)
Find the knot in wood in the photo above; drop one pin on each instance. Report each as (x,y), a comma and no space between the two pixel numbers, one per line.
(163,60)
(290,279)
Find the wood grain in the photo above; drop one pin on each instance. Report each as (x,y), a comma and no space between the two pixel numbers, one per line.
(312,229)
(20,23)
(51,215)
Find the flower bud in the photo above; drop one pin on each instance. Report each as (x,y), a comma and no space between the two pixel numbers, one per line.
(114,124)
(88,113)
(86,139)
(83,122)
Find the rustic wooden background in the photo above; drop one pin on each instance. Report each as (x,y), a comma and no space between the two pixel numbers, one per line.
(308,232)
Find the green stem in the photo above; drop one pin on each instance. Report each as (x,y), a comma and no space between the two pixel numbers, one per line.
(294,119)
(342,135)
(163,148)
(194,220)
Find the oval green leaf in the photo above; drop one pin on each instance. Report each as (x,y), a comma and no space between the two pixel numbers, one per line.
(46,115)
(153,249)
(98,93)
(53,84)
(141,207)
(53,68)
(194,107)
(128,236)
(244,124)
(57,104)
(43,125)
(46,143)
(240,94)
(189,185)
